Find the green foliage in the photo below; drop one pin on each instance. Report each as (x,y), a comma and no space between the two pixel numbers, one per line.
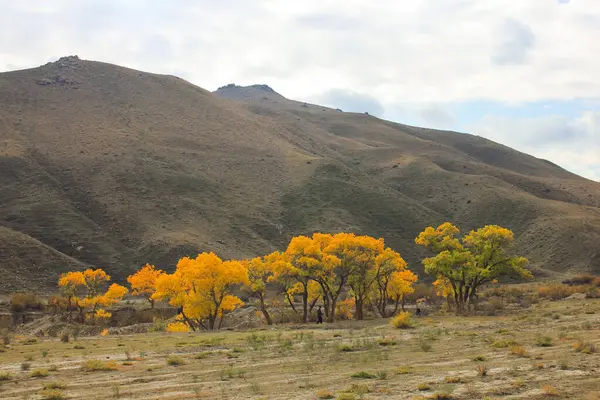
(464,265)
(363,375)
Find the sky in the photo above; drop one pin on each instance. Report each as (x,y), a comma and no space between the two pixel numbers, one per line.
(523,73)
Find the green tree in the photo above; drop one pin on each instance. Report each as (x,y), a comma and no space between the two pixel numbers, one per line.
(480,257)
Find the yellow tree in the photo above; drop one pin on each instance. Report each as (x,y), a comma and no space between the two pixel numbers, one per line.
(143,282)
(260,272)
(69,283)
(357,266)
(305,257)
(388,265)
(202,289)
(90,282)
(401,285)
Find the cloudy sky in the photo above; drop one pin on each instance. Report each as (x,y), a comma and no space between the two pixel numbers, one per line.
(524,73)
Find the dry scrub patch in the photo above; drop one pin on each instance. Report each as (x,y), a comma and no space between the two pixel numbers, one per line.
(305,362)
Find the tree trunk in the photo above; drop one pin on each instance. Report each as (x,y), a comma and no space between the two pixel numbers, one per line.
(151,302)
(263,308)
(396,304)
(359,308)
(289,299)
(331,316)
(312,305)
(305,305)
(403,303)
(187,321)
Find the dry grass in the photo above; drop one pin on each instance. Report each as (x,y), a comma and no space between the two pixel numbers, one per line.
(300,371)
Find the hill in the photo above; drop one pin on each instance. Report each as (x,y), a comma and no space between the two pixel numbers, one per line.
(107,166)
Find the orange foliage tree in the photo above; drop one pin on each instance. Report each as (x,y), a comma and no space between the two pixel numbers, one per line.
(90,283)
(143,282)
(202,289)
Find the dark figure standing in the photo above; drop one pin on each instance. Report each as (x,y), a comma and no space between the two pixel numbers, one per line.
(319,315)
(418,311)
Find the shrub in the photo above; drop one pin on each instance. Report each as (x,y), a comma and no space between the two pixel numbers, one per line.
(20,302)
(425,344)
(543,341)
(404,370)
(158,325)
(550,391)
(178,327)
(52,394)
(482,370)
(78,347)
(39,373)
(423,386)
(454,379)
(519,351)
(5,376)
(343,348)
(64,337)
(99,365)
(584,347)
(6,337)
(556,291)
(324,394)
(382,375)
(346,396)
(55,385)
(480,358)
(25,366)
(175,361)
(363,375)
(402,321)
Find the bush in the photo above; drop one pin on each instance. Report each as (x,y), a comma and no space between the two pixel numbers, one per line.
(178,327)
(25,366)
(556,291)
(543,341)
(175,361)
(20,302)
(346,396)
(64,337)
(55,385)
(424,386)
(363,375)
(583,279)
(550,391)
(519,351)
(39,373)
(480,358)
(52,394)
(99,365)
(5,376)
(324,394)
(482,370)
(584,347)
(402,321)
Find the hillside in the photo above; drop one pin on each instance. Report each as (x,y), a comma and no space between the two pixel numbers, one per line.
(107,166)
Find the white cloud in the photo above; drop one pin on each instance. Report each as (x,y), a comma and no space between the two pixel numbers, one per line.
(425,51)
(420,54)
(571,143)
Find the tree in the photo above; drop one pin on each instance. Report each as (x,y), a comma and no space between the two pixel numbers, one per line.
(143,282)
(357,255)
(393,280)
(202,289)
(306,262)
(401,285)
(260,272)
(90,282)
(481,256)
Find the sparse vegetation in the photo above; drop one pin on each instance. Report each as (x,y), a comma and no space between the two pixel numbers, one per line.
(39,373)
(99,365)
(402,321)
(175,361)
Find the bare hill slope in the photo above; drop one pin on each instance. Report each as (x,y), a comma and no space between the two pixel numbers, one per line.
(107,166)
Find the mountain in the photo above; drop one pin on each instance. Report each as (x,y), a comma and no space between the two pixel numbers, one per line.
(112,167)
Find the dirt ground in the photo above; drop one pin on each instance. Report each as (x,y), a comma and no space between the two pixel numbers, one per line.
(528,355)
